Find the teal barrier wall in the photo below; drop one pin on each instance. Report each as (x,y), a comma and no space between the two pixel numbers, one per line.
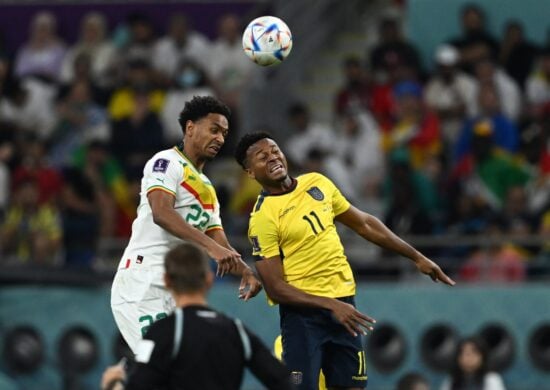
(411,308)
(431,22)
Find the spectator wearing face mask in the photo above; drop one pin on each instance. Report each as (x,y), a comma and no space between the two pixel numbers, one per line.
(189,80)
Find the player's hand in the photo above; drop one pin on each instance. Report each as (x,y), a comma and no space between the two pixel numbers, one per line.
(353,320)
(428,267)
(250,285)
(227,259)
(111,375)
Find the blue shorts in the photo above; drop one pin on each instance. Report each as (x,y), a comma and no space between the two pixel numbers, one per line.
(314,340)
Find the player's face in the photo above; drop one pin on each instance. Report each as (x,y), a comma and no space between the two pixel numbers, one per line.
(266,162)
(207,135)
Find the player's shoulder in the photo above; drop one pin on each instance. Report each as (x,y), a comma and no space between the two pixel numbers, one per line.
(167,154)
(313,178)
(259,207)
(162,160)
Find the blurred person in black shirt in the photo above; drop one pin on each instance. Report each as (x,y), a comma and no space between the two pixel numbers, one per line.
(476,42)
(196,347)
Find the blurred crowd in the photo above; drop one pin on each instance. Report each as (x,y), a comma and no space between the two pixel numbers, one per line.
(78,122)
(460,149)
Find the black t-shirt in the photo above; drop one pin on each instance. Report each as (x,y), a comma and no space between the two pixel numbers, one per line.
(199,348)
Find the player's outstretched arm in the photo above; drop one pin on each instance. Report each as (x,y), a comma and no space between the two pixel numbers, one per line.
(164,215)
(250,285)
(372,229)
(271,273)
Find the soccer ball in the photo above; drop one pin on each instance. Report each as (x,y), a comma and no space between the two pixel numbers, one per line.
(267,40)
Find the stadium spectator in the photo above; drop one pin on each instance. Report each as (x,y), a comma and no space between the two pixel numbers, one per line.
(135,139)
(306,135)
(7,150)
(491,120)
(535,150)
(34,164)
(196,347)
(487,174)
(138,81)
(31,232)
(538,86)
(81,218)
(42,55)
(82,73)
(80,120)
(139,39)
(508,92)
(415,128)
(118,194)
(451,93)
(180,44)
(413,381)
(357,146)
(392,51)
(29,104)
(355,94)
(517,54)
(470,368)
(475,43)
(94,45)
(411,198)
(189,80)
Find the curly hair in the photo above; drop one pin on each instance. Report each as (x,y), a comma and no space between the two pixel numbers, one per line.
(201,106)
(245,143)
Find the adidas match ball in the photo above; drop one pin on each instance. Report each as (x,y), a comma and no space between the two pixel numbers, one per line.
(267,40)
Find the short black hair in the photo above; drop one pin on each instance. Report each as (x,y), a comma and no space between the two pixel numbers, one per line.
(186,266)
(201,106)
(246,142)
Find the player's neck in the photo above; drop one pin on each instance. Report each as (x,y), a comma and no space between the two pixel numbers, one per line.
(196,299)
(284,186)
(193,158)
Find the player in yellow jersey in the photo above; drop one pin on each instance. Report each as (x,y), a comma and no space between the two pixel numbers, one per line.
(302,265)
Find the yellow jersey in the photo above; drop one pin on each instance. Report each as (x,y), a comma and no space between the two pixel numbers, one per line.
(299,226)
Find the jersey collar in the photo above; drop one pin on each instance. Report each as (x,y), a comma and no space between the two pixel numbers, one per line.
(292,188)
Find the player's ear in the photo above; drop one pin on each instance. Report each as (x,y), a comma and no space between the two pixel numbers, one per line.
(209,280)
(250,173)
(167,281)
(189,128)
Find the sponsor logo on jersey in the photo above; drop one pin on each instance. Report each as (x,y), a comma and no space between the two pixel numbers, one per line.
(139,259)
(161,165)
(316,193)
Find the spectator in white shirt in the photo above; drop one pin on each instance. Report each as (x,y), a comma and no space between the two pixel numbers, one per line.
(181,43)
(451,93)
(306,135)
(538,85)
(92,42)
(507,89)
(43,53)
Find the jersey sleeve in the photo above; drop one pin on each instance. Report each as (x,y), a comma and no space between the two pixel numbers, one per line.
(215,221)
(162,173)
(339,203)
(263,235)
